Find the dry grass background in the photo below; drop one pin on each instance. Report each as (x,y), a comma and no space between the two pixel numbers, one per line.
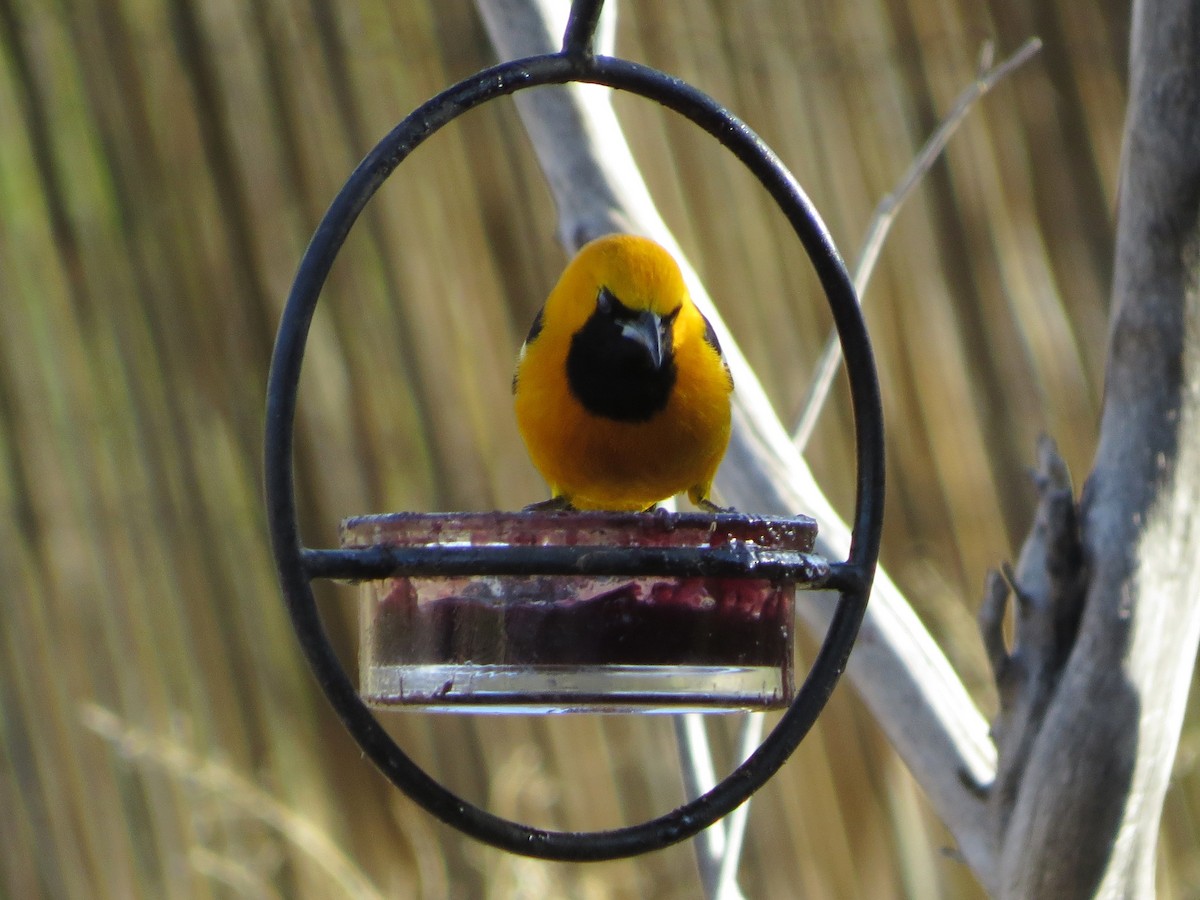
(162,164)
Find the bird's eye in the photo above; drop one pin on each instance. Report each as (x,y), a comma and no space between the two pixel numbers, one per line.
(668,321)
(608,304)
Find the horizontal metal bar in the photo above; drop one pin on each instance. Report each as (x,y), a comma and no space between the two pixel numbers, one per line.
(737,561)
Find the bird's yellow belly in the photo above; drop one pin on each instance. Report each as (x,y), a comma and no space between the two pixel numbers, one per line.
(603,464)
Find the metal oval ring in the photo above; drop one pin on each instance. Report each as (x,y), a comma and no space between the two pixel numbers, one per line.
(856,573)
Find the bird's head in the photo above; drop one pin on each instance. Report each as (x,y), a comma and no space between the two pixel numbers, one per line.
(628,284)
(617,304)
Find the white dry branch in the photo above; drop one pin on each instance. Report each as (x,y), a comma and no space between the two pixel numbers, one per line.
(896,666)
(988,75)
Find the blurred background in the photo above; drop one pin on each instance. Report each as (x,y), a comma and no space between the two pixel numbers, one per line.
(162,165)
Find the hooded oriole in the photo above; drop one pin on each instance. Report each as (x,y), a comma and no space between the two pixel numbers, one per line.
(621,390)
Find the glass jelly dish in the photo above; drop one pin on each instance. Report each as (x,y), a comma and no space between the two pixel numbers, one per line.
(573,643)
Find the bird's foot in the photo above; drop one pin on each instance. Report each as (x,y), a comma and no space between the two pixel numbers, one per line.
(709,507)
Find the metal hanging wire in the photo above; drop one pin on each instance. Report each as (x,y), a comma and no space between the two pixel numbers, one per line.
(298,565)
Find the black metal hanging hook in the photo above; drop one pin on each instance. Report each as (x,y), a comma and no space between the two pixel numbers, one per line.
(581,27)
(298,565)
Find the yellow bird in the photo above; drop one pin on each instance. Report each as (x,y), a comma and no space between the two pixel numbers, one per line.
(622,394)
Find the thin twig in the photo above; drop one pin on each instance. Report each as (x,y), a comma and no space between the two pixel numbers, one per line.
(885,214)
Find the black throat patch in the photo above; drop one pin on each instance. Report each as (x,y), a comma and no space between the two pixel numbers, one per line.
(613,375)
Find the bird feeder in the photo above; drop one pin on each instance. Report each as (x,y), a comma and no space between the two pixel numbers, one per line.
(545,611)
(611,641)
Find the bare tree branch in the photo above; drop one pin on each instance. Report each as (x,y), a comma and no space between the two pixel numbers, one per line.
(1081,789)
(1048,587)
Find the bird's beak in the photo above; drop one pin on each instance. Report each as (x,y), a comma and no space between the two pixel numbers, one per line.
(645,330)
